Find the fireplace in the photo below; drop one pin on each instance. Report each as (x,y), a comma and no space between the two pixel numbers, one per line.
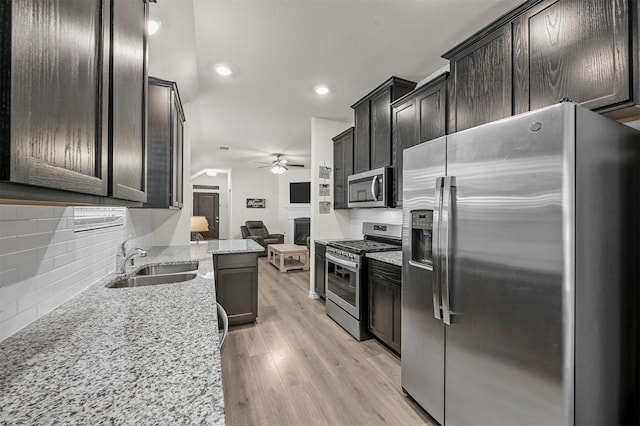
(301,230)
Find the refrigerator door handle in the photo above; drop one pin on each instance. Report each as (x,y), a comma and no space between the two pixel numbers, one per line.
(448,198)
(437,213)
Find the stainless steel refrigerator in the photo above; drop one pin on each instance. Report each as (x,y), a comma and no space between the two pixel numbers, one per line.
(520,271)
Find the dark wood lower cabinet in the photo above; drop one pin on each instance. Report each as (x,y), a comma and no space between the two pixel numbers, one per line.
(385,295)
(320,268)
(236,280)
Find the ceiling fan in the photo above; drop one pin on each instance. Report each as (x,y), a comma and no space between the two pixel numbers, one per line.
(281,165)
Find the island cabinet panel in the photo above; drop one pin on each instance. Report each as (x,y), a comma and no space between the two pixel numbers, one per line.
(342,166)
(417,117)
(128,95)
(236,280)
(373,125)
(574,49)
(480,85)
(53,103)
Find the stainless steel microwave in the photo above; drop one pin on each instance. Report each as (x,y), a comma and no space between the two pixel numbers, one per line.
(370,189)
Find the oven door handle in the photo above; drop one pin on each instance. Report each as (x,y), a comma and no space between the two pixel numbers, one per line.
(342,262)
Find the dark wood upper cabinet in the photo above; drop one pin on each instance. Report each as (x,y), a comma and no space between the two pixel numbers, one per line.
(165,140)
(361,150)
(373,127)
(342,167)
(480,86)
(53,86)
(587,51)
(128,72)
(575,49)
(417,117)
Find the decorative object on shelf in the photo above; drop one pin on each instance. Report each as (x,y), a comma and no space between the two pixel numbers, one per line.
(256,203)
(198,224)
(325,190)
(325,172)
(324,207)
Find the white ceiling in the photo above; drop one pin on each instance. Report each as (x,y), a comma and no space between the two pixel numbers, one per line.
(280,49)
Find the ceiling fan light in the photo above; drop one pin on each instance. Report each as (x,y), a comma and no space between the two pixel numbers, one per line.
(277,169)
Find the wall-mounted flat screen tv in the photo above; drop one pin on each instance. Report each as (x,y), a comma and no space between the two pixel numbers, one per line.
(299,192)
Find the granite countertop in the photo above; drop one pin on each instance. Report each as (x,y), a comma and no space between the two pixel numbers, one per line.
(144,355)
(328,240)
(393,257)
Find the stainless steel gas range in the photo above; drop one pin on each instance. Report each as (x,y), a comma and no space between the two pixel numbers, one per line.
(345,276)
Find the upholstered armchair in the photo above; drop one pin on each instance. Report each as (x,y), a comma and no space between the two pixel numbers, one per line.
(255,230)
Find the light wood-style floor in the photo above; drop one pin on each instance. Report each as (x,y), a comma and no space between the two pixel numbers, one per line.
(297,366)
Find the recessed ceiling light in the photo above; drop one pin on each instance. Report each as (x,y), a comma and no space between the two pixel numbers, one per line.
(153,24)
(211,173)
(321,89)
(223,70)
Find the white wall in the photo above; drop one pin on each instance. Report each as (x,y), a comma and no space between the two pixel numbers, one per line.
(380,215)
(44,263)
(171,227)
(292,175)
(222,181)
(254,183)
(336,223)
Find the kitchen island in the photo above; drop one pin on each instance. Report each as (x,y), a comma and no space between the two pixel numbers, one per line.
(144,355)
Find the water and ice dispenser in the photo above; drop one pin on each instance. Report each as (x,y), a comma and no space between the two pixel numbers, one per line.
(421,238)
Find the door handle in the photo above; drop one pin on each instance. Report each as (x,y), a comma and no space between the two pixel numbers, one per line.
(448,198)
(435,251)
(374,188)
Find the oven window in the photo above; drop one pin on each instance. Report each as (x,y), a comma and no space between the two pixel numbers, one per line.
(342,282)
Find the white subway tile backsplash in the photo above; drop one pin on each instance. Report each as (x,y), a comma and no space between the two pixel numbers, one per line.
(52,250)
(33,212)
(8,277)
(7,245)
(16,290)
(52,276)
(50,225)
(35,297)
(18,258)
(64,259)
(8,310)
(7,212)
(13,228)
(15,323)
(26,242)
(43,263)
(48,304)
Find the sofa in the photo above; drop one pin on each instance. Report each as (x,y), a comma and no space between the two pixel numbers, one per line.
(255,230)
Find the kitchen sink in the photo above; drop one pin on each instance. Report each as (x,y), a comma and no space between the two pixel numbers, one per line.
(144,280)
(168,269)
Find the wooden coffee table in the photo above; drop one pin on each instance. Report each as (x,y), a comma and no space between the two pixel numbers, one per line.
(288,256)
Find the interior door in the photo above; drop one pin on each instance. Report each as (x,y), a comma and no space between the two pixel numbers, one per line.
(207,204)
(509,346)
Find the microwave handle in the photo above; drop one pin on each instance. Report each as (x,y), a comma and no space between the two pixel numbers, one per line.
(374,187)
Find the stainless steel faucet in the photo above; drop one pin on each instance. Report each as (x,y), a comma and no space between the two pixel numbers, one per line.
(123,259)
